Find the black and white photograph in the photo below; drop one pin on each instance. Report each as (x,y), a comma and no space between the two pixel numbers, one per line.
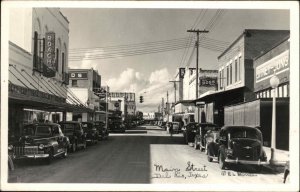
(149,96)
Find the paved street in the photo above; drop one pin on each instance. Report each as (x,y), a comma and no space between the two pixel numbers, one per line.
(146,154)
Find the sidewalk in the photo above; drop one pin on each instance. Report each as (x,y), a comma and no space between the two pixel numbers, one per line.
(281,156)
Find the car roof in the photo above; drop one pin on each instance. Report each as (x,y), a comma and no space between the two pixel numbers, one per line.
(68,122)
(48,124)
(232,127)
(87,122)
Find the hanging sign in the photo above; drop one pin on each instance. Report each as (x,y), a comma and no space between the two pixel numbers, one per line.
(49,55)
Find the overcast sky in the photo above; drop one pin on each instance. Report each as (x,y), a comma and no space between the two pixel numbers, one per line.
(150,73)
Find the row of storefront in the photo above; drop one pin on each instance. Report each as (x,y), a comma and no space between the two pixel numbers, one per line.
(42,87)
(243,76)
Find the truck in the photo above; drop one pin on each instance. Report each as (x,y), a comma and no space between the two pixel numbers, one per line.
(258,113)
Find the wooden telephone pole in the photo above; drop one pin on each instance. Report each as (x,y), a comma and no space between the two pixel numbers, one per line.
(197,65)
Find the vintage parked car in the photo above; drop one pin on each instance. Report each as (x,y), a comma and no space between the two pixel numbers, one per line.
(116,126)
(176,127)
(74,131)
(40,140)
(103,131)
(202,129)
(91,132)
(238,145)
(189,132)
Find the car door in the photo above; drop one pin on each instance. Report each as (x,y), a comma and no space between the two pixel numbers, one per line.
(58,136)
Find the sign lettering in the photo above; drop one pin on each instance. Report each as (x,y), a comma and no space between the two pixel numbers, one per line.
(277,64)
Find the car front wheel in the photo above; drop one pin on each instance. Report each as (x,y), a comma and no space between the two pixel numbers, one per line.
(84,145)
(209,158)
(74,147)
(222,163)
(50,158)
(195,144)
(65,154)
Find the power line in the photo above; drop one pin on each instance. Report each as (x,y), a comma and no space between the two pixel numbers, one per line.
(133,45)
(207,42)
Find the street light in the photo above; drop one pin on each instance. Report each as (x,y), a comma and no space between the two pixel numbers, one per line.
(274,81)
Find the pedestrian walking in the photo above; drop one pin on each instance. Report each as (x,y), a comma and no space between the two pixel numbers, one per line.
(171,129)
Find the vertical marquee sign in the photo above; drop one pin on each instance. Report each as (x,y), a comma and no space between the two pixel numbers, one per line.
(49,55)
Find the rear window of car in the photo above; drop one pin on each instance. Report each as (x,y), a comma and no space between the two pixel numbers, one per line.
(67,127)
(245,133)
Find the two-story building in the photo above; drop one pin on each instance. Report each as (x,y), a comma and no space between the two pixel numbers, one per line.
(38,66)
(236,71)
(83,83)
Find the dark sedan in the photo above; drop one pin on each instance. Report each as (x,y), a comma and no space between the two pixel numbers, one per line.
(91,132)
(40,140)
(103,131)
(238,145)
(202,129)
(189,132)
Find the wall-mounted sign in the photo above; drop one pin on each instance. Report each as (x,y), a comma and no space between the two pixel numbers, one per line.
(278,64)
(208,81)
(49,55)
(78,75)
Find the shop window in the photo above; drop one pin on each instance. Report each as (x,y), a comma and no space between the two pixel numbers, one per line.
(281,91)
(239,68)
(272,93)
(264,94)
(235,70)
(57,59)
(62,63)
(74,83)
(38,52)
(227,76)
(267,93)
(220,79)
(230,77)
(285,91)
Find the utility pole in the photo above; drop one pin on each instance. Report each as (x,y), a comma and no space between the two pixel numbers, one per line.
(197,65)
(174,88)
(167,106)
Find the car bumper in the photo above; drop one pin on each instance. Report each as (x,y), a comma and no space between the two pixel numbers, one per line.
(34,156)
(247,162)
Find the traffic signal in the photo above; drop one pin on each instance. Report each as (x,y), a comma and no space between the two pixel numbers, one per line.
(141,99)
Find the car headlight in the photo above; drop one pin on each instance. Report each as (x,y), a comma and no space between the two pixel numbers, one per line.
(41,146)
(10,147)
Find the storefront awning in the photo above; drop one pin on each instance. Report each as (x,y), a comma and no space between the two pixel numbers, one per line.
(230,96)
(29,98)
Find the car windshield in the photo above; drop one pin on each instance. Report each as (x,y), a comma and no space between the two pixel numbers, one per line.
(67,127)
(29,130)
(246,133)
(43,131)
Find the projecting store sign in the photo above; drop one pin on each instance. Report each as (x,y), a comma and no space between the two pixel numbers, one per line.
(49,55)
(78,75)
(208,81)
